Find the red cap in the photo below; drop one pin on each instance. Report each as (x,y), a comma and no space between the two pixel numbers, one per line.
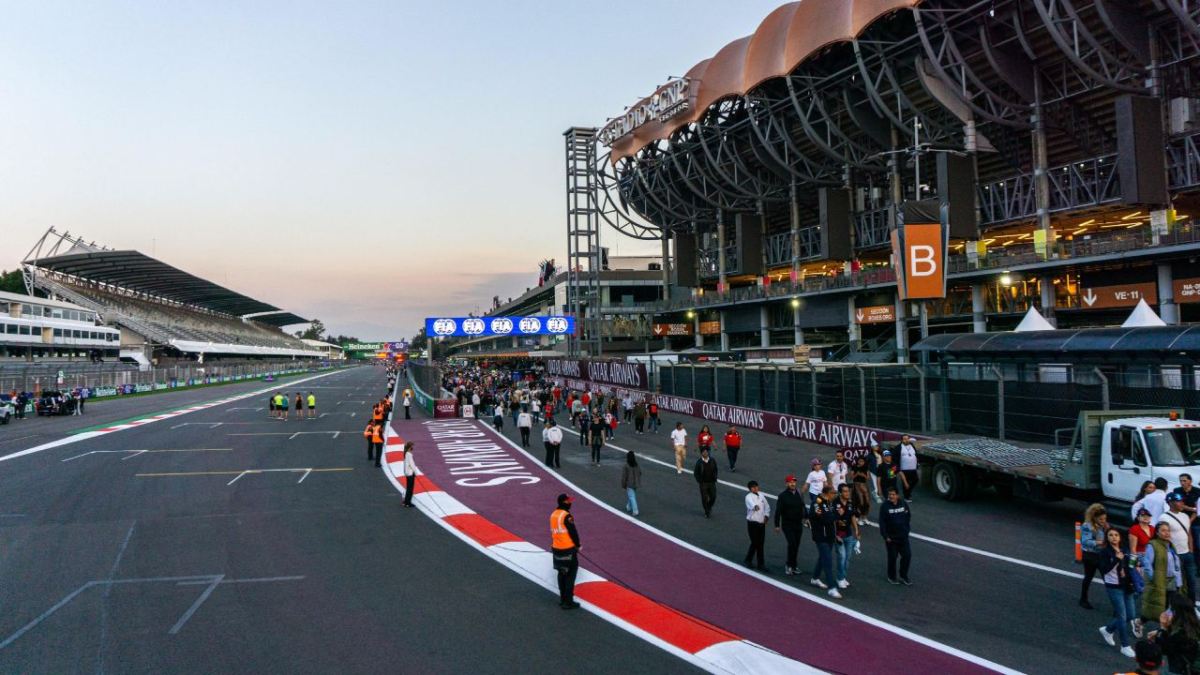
(791,478)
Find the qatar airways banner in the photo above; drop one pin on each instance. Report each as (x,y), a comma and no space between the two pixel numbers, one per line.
(833,434)
(619,373)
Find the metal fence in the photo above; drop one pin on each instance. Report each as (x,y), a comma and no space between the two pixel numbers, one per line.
(46,376)
(978,400)
(427,378)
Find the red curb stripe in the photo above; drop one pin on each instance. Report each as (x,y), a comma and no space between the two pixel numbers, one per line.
(674,627)
(393,456)
(423,485)
(479,528)
(395,440)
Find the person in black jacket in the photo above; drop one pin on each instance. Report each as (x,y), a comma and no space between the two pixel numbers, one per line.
(706,476)
(790,514)
(895,520)
(821,518)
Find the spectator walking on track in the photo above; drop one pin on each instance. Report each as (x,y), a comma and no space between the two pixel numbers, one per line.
(631,480)
(821,518)
(874,460)
(300,406)
(790,514)
(1181,539)
(839,470)
(564,548)
(1115,567)
(908,465)
(1164,575)
(758,511)
(282,406)
(704,439)
(524,425)
(597,442)
(585,427)
(1091,533)
(1179,638)
(814,484)
(895,522)
(639,417)
(407,402)
(860,495)
(733,445)
(312,404)
(410,474)
(552,437)
(1154,501)
(497,417)
(652,411)
(679,444)
(706,475)
(845,532)
(888,474)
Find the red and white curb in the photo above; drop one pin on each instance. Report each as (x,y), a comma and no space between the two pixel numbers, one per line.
(689,638)
(75,438)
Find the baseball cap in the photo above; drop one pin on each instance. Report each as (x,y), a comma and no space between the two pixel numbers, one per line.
(1143,512)
(815,461)
(887,453)
(565,498)
(1174,497)
(791,478)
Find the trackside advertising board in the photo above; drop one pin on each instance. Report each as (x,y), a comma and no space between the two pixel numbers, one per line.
(621,373)
(499,325)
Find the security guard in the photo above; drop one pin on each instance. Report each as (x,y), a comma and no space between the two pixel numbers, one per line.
(564,546)
(377,442)
(369,434)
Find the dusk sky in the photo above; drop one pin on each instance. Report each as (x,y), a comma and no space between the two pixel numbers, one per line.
(365,163)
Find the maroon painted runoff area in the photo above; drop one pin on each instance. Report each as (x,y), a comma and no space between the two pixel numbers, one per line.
(495,479)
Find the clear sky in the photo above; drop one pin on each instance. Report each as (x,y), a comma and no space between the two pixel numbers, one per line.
(365,163)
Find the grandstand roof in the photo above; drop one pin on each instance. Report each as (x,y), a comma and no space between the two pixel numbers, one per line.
(277,319)
(139,272)
(1154,339)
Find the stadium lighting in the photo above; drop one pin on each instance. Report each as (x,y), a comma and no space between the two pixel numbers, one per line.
(795,303)
(691,314)
(1006,279)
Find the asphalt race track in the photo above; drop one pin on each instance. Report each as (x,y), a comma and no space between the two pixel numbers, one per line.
(225,541)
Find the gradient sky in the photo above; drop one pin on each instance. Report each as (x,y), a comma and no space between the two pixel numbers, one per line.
(365,163)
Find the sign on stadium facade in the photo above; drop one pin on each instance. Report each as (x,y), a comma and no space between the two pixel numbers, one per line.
(499,325)
(620,373)
(668,101)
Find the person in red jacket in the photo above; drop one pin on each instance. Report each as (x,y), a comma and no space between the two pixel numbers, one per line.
(704,439)
(733,443)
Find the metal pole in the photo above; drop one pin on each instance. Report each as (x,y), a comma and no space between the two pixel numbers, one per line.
(999,400)
(1104,402)
(812,374)
(862,394)
(924,413)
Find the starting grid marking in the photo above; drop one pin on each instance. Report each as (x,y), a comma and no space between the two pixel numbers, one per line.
(243,472)
(293,434)
(210,582)
(135,453)
(155,418)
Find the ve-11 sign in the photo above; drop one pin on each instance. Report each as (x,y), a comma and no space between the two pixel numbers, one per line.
(499,325)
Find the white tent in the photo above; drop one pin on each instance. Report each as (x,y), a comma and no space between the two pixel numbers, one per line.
(1142,316)
(1033,321)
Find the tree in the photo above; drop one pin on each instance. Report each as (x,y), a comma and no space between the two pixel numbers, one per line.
(12,282)
(418,342)
(315,331)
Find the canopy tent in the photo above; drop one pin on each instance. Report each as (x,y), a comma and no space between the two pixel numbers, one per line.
(1033,321)
(1142,317)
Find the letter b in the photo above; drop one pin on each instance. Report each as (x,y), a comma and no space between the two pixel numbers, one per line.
(921,261)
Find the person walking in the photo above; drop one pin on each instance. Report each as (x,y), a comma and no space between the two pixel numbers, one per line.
(585,427)
(1114,570)
(652,412)
(705,472)
(733,445)
(758,511)
(839,470)
(790,514)
(410,474)
(679,444)
(814,484)
(908,465)
(860,494)
(845,532)
(888,474)
(821,518)
(407,403)
(704,439)
(895,521)
(597,442)
(639,417)
(564,550)
(874,459)
(497,416)
(1163,572)
(552,436)
(631,480)
(1154,501)
(1179,638)
(1181,539)
(1091,535)
(524,425)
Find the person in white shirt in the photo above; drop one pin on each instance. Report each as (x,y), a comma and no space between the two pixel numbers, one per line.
(815,482)
(758,511)
(535,408)
(407,405)
(410,474)
(838,470)
(679,443)
(908,465)
(552,437)
(525,424)
(1155,502)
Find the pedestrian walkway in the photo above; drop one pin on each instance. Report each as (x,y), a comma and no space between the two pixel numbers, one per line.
(494,491)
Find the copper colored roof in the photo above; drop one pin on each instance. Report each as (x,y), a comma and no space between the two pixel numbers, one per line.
(787,37)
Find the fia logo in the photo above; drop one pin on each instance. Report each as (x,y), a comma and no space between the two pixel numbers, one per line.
(530,324)
(502,326)
(473,326)
(556,324)
(444,327)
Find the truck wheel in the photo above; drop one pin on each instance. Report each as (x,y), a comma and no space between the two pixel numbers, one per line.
(948,481)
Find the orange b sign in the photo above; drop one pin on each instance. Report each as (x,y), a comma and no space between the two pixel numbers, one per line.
(919,252)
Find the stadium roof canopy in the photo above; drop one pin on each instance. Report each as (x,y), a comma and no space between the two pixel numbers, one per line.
(279,318)
(1076,341)
(138,272)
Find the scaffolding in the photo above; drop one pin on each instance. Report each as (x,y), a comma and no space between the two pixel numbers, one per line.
(583,242)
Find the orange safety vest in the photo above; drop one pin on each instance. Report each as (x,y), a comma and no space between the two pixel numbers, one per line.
(559,537)
(377,436)
(368,431)
(377,413)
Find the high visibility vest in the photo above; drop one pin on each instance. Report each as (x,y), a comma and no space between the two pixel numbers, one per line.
(559,537)
(377,412)
(312,401)
(377,436)
(367,432)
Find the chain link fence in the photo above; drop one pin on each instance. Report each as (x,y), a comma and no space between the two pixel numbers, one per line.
(1009,403)
(46,376)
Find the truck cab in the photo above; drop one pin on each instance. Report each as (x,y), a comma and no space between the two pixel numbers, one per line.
(1138,449)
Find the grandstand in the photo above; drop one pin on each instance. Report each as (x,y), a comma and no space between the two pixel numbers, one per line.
(163,312)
